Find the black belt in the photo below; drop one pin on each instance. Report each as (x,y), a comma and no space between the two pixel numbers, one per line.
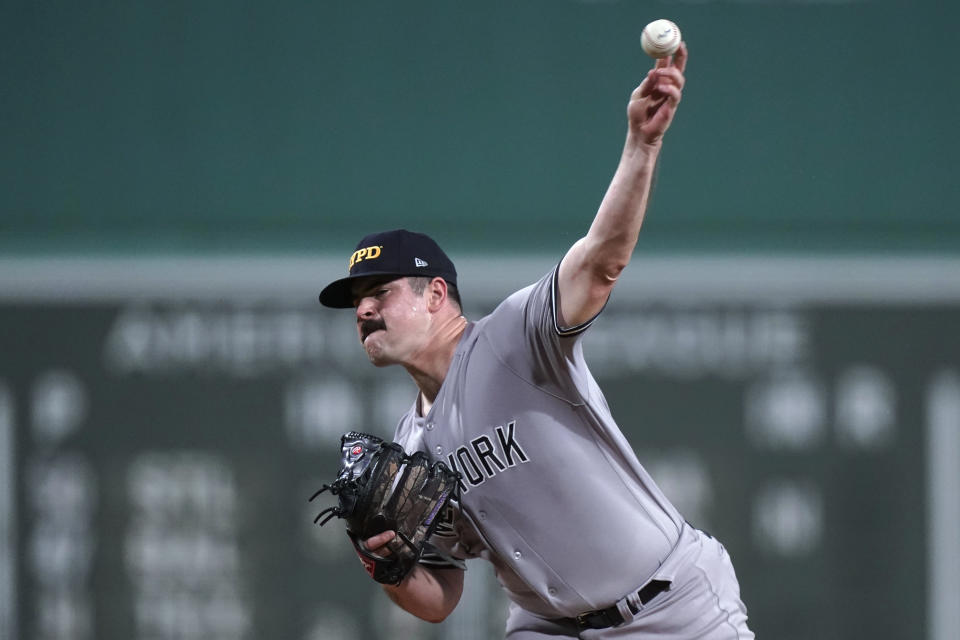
(611,617)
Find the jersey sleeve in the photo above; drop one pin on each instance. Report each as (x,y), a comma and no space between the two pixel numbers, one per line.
(451,545)
(538,306)
(525,333)
(555,309)
(438,558)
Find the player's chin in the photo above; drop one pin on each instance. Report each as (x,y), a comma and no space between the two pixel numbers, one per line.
(379,362)
(375,353)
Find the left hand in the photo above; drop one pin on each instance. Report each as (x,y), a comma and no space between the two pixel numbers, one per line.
(654,103)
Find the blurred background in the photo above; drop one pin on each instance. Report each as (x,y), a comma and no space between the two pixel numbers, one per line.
(181,178)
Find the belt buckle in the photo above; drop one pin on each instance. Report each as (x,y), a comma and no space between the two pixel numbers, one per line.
(589,620)
(582,620)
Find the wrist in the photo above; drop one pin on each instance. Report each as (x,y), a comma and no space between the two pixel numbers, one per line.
(639,144)
(640,153)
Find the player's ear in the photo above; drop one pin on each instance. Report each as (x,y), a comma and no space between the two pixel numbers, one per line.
(436,293)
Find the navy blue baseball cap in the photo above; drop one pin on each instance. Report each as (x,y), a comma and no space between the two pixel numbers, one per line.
(390,253)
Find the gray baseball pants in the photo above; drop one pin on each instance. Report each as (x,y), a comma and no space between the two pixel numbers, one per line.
(703,602)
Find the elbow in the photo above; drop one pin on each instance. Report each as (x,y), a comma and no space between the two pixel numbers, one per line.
(434,615)
(603,263)
(611,271)
(446,605)
(440,609)
(606,272)
(437,618)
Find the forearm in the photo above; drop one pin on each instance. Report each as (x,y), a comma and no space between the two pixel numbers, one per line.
(613,233)
(429,594)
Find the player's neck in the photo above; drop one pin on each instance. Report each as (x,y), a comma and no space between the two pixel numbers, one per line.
(429,370)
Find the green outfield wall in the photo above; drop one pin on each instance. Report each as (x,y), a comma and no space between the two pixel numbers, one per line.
(213,126)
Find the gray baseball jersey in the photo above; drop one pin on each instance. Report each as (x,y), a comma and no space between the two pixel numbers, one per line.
(553,494)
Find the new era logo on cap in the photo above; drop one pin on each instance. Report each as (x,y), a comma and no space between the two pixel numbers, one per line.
(390,253)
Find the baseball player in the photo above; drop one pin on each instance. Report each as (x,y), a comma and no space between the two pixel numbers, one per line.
(581,538)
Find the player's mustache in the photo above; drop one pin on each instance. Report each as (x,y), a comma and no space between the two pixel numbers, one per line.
(369,326)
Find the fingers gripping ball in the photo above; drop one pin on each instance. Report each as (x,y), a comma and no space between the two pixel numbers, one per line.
(381,488)
(660,38)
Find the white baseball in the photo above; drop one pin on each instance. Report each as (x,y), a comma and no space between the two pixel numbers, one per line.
(660,38)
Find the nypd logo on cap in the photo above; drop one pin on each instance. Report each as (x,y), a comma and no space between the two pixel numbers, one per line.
(389,253)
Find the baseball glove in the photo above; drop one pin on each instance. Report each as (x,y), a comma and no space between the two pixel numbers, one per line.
(381,488)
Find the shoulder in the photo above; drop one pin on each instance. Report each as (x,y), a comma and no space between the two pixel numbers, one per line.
(533,298)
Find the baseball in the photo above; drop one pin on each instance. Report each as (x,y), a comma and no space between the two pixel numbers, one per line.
(660,38)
